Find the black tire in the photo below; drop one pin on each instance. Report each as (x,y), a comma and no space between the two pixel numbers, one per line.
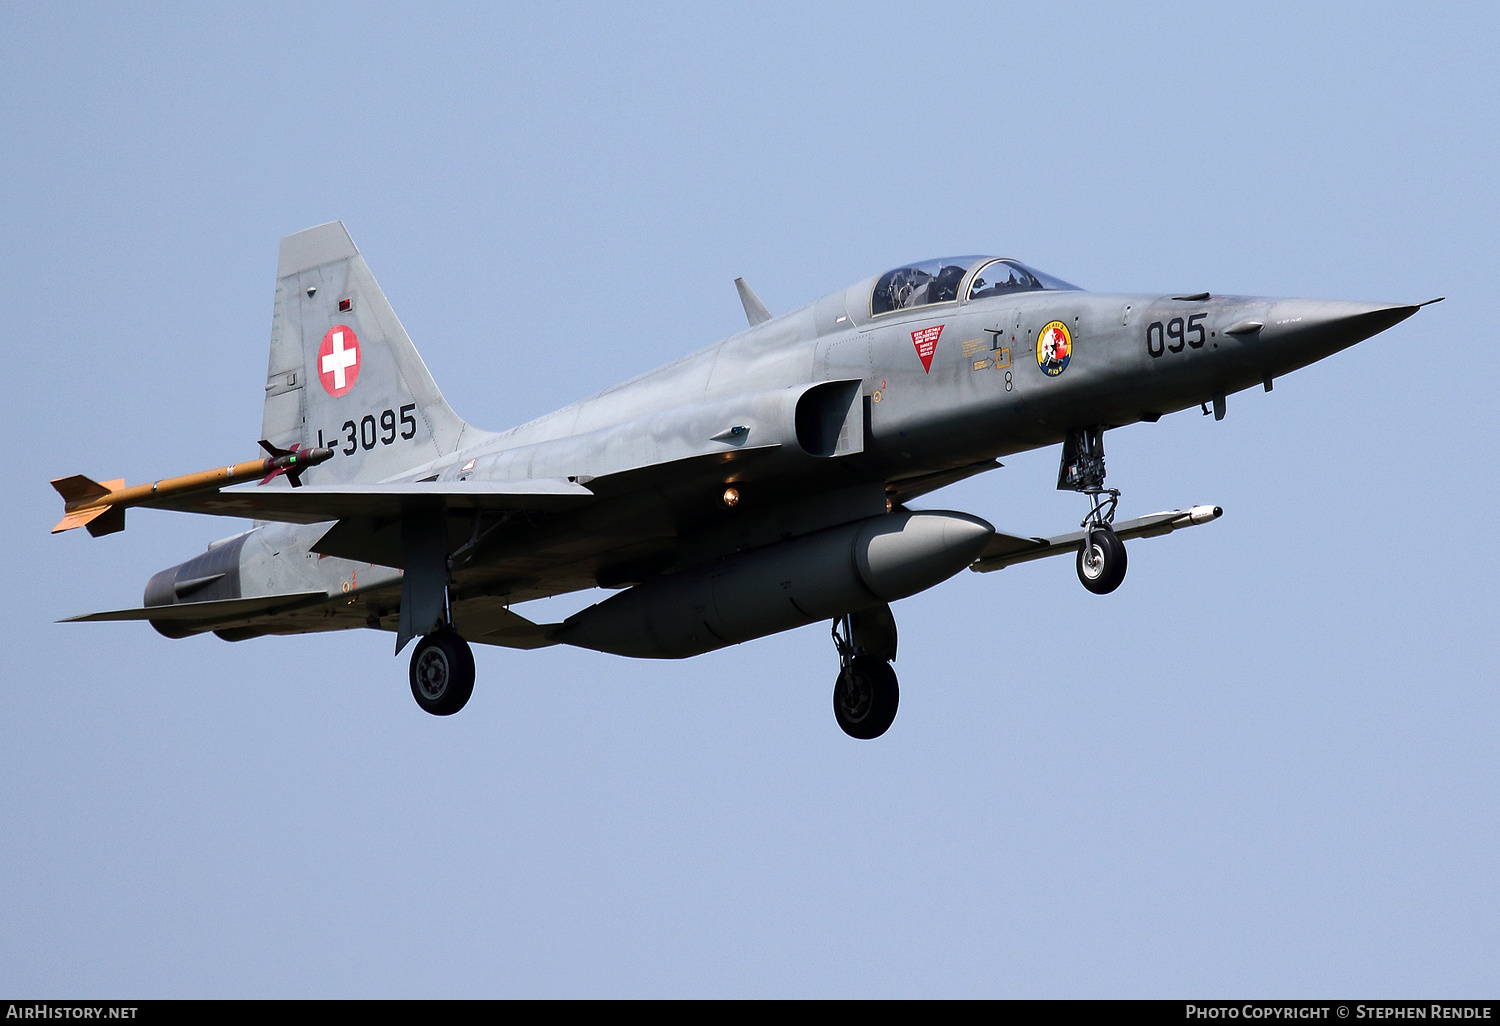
(442,673)
(865,698)
(1103,573)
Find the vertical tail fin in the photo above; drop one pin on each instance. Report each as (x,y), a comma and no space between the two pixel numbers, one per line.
(343,372)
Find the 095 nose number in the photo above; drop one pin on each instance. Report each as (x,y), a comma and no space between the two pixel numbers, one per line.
(1190,334)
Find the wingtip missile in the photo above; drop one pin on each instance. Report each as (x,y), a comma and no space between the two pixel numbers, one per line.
(100,506)
(292,462)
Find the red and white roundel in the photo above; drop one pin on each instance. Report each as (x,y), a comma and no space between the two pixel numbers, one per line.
(338,360)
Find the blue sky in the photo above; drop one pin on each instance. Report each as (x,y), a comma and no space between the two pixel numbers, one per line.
(1266,765)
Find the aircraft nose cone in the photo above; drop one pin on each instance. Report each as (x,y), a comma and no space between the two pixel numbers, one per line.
(1316,328)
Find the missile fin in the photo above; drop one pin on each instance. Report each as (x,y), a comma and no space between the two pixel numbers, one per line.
(110,520)
(98,519)
(79,489)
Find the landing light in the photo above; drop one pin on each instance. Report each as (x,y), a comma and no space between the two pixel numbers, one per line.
(731,497)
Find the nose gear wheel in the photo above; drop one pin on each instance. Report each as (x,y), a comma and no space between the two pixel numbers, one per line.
(1101,561)
(1101,556)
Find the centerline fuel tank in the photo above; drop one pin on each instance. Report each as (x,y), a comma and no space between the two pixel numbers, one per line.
(781,586)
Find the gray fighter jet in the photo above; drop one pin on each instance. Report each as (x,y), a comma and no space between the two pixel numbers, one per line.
(761,484)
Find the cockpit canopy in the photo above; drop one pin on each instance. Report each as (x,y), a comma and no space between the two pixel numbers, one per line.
(939,281)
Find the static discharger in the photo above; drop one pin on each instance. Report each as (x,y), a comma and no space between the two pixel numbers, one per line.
(100,506)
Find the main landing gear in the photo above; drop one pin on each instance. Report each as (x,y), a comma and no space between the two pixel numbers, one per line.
(1101,556)
(442,666)
(866,695)
(442,672)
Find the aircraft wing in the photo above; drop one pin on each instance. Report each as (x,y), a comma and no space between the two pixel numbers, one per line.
(1007,549)
(313,504)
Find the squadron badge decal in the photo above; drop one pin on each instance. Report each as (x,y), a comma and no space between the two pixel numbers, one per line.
(1054,348)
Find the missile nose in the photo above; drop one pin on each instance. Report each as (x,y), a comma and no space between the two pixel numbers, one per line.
(312,457)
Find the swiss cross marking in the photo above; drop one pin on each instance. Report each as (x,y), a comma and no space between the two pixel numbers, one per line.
(338,360)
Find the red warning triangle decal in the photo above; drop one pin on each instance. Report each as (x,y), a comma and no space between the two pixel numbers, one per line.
(926,342)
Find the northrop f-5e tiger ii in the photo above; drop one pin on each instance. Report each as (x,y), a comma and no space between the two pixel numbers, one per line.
(764,483)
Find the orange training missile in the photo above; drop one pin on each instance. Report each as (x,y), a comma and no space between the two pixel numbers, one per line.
(101,506)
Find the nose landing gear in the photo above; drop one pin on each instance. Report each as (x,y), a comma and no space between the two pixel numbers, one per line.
(1101,561)
(1101,556)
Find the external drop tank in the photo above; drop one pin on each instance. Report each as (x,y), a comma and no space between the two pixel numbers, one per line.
(778,587)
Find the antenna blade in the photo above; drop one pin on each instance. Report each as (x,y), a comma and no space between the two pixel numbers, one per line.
(755,310)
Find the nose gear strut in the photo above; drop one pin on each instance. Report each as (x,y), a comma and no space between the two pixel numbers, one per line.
(1101,558)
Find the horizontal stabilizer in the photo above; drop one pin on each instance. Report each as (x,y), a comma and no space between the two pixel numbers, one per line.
(312,504)
(223,610)
(1005,549)
(483,619)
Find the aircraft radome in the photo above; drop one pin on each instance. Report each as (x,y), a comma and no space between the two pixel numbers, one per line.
(760,484)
